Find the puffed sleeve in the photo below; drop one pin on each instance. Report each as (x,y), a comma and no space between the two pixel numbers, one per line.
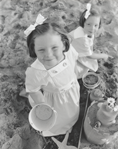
(34,79)
(71,34)
(82,46)
(72,53)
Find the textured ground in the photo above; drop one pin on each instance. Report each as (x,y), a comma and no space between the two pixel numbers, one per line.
(15,16)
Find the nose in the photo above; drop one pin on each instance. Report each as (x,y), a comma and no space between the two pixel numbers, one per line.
(48,52)
(92,28)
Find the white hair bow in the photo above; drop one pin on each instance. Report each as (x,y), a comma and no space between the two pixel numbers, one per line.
(88,7)
(39,20)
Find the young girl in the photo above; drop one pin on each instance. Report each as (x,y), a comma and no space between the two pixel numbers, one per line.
(83,37)
(51,78)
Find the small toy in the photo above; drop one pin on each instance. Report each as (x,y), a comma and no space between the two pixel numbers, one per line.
(91,80)
(63,144)
(100,121)
(96,95)
(107,112)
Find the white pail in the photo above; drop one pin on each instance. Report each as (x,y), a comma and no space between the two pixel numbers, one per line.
(42,117)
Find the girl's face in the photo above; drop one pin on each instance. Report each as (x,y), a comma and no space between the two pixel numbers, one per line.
(49,49)
(91,25)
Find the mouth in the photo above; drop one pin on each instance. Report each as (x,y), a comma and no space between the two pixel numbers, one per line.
(90,32)
(49,59)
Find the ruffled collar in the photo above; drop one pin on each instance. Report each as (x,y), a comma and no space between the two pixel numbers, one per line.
(79,32)
(38,65)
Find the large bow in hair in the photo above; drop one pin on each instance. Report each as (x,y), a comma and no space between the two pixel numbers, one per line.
(88,7)
(39,20)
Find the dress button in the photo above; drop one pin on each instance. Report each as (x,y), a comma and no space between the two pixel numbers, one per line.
(62,91)
(54,71)
(72,83)
(64,64)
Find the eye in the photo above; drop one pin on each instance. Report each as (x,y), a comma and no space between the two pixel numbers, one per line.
(96,25)
(88,24)
(41,50)
(55,48)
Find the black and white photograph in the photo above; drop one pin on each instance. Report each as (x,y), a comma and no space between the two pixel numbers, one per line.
(58,74)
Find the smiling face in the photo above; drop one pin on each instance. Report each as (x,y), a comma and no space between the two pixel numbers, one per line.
(91,25)
(49,49)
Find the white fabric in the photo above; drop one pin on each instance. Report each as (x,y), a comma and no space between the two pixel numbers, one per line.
(61,90)
(88,7)
(84,47)
(39,20)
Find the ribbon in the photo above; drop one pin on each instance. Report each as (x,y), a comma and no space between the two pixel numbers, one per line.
(39,20)
(88,7)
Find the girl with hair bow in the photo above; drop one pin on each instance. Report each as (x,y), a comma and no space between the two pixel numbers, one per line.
(83,38)
(51,78)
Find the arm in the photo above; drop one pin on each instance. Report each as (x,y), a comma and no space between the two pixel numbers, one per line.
(33,84)
(71,36)
(37,97)
(99,56)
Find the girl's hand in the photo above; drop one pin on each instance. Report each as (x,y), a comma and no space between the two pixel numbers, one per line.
(106,57)
(113,54)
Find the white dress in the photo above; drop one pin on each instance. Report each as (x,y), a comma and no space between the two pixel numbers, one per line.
(84,46)
(61,90)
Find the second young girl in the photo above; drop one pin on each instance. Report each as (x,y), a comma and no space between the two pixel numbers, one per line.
(83,38)
(51,78)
